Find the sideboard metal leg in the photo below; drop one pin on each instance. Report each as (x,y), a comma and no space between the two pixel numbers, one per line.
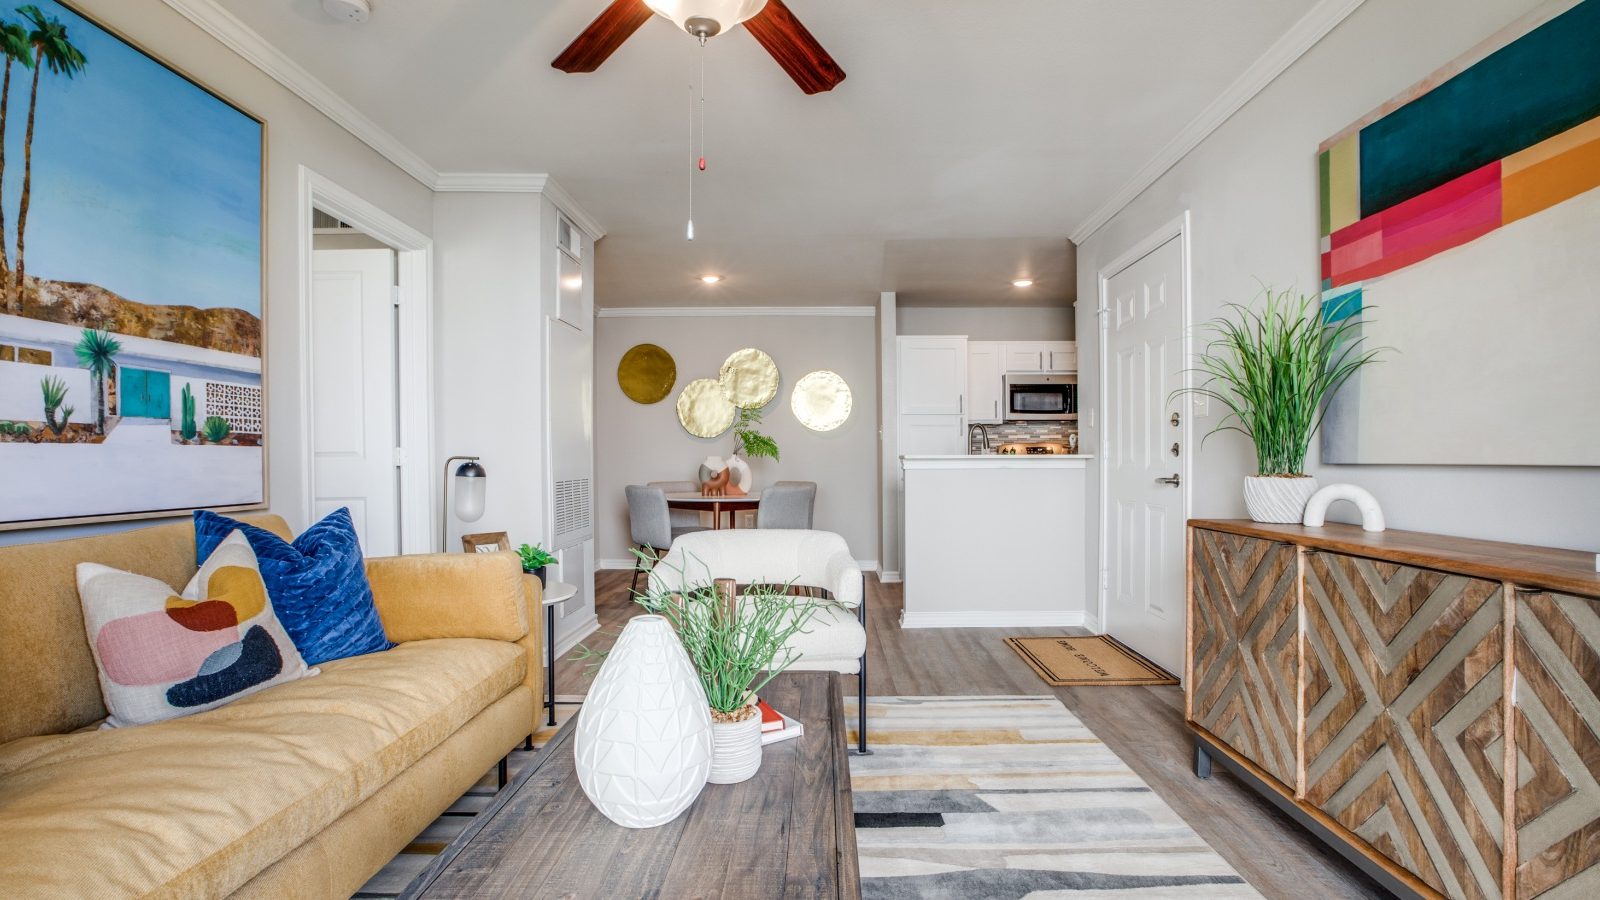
(1202,760)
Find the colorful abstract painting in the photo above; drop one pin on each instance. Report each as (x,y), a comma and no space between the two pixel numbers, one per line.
(130,281)
(1464,215)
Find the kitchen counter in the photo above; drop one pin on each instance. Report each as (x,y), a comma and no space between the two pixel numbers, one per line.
(995,541)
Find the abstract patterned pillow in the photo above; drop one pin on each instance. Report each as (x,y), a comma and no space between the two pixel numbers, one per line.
(162,656)
(318,583)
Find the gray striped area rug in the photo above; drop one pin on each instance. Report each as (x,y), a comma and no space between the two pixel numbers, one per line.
(1011,797)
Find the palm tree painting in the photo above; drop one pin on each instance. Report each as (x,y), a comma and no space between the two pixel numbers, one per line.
(131,250)
(51,49)
(96,350)
(14,45)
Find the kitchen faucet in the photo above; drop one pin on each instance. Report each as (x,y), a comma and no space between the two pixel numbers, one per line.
(982,430)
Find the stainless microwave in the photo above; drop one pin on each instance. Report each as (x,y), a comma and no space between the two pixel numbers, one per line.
(1041,397)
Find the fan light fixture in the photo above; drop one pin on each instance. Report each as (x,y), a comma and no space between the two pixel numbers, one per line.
(706,18)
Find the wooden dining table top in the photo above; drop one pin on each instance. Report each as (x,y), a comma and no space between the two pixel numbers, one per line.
(696,497)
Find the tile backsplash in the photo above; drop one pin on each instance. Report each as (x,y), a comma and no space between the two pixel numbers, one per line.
(1020,431)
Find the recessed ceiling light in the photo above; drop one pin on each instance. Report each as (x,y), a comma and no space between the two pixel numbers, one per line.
(1022,282)
(711,279)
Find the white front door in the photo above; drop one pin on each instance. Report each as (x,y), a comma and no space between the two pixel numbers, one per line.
(1143,456)
(353,390)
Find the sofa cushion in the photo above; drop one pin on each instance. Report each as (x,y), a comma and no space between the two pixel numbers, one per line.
(832,641)
(197,806)
(318,583)
(162,656)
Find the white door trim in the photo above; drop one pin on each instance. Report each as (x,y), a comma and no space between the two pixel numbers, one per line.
(415,346)
(1177,228)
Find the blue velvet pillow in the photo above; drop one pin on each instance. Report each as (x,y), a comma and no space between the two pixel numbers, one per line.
(318,584)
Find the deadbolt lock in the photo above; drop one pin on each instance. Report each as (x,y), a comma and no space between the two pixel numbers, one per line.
(1175,420)
(1174,448)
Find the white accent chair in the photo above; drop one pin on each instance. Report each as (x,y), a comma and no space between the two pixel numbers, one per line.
(835,640)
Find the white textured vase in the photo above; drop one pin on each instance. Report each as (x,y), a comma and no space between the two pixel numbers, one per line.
(1278,499)
(735,750)
(643,745)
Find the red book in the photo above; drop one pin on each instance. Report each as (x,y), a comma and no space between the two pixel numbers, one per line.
(770,720)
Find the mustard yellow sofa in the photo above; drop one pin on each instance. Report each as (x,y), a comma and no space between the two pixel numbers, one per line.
(303,790)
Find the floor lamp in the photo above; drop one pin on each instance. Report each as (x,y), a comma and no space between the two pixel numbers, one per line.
(471,485)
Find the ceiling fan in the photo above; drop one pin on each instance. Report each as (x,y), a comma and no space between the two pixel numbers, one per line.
(771,23)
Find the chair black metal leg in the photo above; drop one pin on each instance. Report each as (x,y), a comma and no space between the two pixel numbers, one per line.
(861,678)
(502,772)
(633,586)
(527,742)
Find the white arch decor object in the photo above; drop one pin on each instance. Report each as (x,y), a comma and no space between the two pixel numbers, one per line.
(1317,507)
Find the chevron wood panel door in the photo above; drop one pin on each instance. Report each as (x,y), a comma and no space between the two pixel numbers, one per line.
(1405,717)
(1245,635)
(1557,723)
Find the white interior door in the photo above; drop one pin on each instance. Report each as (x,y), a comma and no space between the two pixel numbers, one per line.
(353,390)
(1144,455)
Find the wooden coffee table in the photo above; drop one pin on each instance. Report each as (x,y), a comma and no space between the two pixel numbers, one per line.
(787,832)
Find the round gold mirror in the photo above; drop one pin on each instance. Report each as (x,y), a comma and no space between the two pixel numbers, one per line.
(703,410)
(749,379)
(647,373)
(821,400)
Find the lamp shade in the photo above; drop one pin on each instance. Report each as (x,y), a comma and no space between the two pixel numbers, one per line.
(724,14)
(471,488)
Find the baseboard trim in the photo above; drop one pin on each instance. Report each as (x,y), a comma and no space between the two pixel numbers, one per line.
(993,618)
(889,577)
(615,563)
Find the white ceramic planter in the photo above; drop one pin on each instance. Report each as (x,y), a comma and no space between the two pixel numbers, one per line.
(1278,499)
(735,750)
(643,744)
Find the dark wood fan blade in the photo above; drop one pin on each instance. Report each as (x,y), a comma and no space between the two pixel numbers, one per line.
(777,29)
(603,36)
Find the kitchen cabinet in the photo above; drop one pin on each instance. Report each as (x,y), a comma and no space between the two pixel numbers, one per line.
(1041,356)
(935,435)
(1423,733)
(986,371)
(932,376)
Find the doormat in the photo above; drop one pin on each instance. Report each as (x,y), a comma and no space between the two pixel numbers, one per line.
(1081,661)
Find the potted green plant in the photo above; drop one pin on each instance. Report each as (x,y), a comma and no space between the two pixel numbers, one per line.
(1274,370)
(737,643)
(534,560)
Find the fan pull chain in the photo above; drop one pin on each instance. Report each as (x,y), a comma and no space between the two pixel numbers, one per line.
(697,132)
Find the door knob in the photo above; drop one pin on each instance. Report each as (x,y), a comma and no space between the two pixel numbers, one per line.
(1172,480)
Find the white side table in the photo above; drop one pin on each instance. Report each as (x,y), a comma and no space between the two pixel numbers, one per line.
(555,594)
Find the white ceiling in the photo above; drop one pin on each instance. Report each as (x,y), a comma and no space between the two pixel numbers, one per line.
(1001,122)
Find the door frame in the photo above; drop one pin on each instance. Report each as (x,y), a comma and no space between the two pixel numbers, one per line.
(1179,228)
(414,347)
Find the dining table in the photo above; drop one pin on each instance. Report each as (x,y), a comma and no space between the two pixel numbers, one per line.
(730,504)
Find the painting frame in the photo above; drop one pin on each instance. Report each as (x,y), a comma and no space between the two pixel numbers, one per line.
(486,542)
(261,232)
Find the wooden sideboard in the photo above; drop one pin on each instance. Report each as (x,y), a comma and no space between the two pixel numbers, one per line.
(1430,705)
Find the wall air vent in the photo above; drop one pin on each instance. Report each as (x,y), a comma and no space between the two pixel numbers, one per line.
(572,512)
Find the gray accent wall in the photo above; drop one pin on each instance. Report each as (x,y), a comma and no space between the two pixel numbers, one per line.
(1251,190)
(636,443)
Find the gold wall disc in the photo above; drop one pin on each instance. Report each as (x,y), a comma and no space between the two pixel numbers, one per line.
(703,410)
(647,373)
(821,400)
(749,379)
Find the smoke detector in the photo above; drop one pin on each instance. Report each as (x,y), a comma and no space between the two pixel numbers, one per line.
(354,11)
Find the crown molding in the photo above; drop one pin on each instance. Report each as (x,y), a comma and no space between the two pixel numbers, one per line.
(702,312)
(1305,34)
(234,34)
(521,183)
(243,40)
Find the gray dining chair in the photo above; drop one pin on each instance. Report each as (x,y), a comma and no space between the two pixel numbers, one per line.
(681,518)
(650,523)
(787,504)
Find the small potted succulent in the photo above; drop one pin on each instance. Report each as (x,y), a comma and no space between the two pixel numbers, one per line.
(737,643)
(1274,370)
(534,560)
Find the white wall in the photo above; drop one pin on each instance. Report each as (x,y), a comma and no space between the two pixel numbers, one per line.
(1252,189)
(21,398)
(489,341)
(635,443)
(296,135)
(990,323)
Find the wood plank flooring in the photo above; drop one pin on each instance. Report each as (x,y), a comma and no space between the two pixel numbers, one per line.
(1143,725)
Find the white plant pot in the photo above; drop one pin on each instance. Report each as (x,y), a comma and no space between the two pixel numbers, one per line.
(1278,499)
(735,750)
(643,744)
